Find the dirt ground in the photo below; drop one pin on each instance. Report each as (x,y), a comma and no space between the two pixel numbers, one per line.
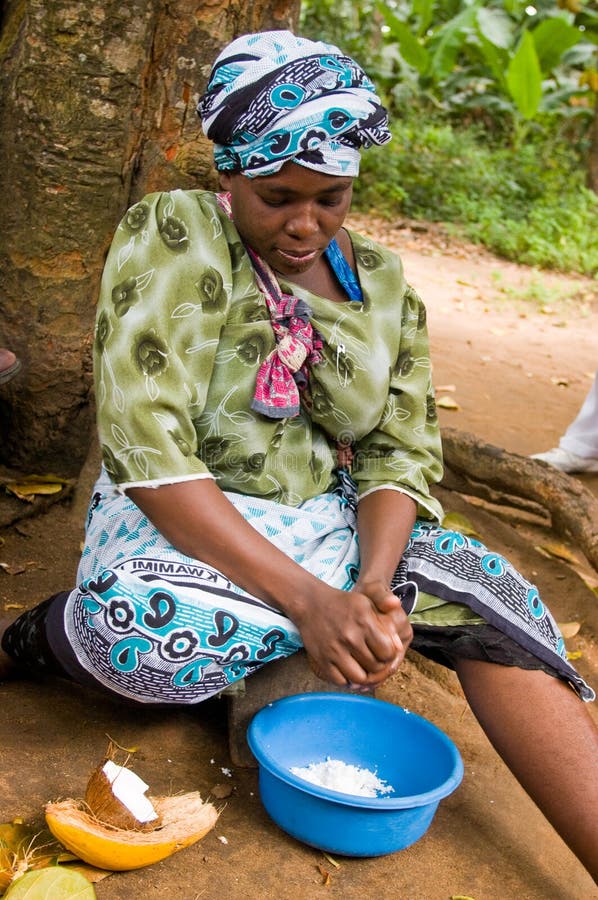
(515,350)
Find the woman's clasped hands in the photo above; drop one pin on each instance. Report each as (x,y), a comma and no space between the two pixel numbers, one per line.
(357,638)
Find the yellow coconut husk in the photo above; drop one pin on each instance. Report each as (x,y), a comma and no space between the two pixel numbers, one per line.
(6,876)
(108,809)
(186,818)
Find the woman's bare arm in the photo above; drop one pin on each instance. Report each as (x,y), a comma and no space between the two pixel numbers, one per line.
(385,519)
(349,639)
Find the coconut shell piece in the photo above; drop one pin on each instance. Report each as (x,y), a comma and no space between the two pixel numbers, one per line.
(106,807)
(186,818)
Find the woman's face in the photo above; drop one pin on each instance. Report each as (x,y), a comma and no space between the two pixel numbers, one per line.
(289,218)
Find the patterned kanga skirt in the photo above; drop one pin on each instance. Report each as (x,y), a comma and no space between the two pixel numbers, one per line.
(155,626)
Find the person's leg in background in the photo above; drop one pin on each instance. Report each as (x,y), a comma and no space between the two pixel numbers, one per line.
(578,447)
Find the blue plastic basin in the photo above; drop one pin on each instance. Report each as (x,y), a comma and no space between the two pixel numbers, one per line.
(405,750)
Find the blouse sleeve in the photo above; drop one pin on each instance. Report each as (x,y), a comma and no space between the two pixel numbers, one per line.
(404,452)
(163,300)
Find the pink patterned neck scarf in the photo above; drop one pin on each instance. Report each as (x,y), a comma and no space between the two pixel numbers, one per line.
(284,372)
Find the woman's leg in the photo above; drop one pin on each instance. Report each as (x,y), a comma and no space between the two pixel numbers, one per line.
(24,646)
(549,741)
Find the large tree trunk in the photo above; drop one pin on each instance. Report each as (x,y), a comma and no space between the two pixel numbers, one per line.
(97,107)
(593,151)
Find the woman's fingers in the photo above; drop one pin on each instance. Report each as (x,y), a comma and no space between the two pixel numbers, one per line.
(390,609)
(346,672)
(350,642)
(344,663)
(384,600)
(359,665)
(349,674)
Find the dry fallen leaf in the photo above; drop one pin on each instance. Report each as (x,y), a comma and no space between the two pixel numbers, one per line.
(28,491)
(574,654)
(221,791)
(114,745)
(28,487)
(12,569)
(325,875)
(588,577)
(457,522)
(332,861)
(559,551)
(447,403)
(569,629)
(92,874)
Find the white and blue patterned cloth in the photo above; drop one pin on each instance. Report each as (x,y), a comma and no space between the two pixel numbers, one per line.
(156,626)
(274,97)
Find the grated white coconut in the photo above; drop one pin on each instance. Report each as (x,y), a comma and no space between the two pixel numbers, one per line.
(337,775)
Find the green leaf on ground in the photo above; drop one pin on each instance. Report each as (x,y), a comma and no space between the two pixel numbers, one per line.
(53,883)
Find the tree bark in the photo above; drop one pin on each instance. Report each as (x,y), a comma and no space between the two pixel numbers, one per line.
(474,466)
(593,151)
(97,106)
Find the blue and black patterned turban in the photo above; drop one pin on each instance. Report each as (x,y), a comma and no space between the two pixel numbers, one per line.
(273,97)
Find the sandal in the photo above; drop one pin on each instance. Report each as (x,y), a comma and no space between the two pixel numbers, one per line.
(9,365)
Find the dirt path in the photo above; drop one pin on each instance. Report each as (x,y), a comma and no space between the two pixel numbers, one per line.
(518,368)
(520,346)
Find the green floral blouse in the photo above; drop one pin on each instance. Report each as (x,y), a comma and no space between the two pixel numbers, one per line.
(181,331)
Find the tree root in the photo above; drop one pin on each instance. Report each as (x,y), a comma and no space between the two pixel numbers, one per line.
(496,475)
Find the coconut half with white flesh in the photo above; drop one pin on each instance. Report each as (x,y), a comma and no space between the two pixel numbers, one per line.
(186,818)
(116,796)
(117,827)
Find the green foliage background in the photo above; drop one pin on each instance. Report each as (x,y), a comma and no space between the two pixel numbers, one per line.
(491,108)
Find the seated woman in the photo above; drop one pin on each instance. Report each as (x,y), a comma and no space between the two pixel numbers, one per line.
(269,437)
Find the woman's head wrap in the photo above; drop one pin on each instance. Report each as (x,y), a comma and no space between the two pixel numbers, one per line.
(273,97)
